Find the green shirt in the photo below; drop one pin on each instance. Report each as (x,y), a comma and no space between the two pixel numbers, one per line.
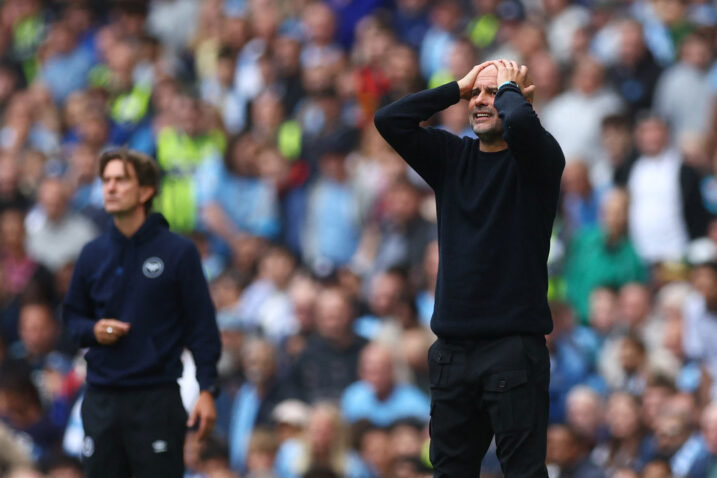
(592,263)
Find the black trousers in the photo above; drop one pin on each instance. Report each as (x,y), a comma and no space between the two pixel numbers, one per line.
(134,433)
(486,388)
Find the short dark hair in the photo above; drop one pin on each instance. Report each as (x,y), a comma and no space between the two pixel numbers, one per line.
(145,167)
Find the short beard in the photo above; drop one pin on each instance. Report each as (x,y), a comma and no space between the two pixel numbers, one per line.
(490,137)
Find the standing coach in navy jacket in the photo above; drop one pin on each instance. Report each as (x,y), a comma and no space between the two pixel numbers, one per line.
(496,199)
(138,297)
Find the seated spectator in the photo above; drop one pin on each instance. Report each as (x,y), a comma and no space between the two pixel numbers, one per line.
(580,200)
(700,320)
(706,464)
(585,414)
(21,409)
(323,445)
(377,397)
(603,255)
(329,363)
(55,234)
(232,198)
(332,227)
(625,443)
(567,451)
(254,401)
(385,292)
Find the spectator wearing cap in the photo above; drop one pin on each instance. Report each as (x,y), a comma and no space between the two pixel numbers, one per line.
(290,417)
(666,207)
(377,397)
(602,255)
(324,444)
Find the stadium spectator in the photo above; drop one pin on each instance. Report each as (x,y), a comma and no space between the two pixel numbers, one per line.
(55,233)
(378,397)
(329,362)
(299,78)
(574,117)
(602,255)
(664,195)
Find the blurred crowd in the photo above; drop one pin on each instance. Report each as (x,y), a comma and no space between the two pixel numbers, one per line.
(319,244)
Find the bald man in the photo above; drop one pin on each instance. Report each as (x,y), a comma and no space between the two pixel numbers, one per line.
(496,200)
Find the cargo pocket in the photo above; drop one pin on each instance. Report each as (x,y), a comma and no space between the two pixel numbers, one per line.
(439,362)
(510,400)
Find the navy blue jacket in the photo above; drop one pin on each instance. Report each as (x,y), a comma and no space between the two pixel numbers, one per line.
(154,281)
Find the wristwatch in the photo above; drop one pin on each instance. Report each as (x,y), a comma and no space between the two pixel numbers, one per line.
(213,390)
(509,83)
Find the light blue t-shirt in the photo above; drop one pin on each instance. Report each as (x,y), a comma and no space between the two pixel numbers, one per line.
(359,401)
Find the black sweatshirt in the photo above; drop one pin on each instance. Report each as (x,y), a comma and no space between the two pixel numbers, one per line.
(495,212)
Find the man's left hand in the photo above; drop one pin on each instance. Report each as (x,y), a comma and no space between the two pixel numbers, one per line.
(512,71)
(206,412)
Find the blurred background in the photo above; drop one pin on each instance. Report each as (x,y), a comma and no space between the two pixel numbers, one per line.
(319,244)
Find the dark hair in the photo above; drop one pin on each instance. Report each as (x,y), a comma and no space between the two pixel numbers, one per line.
(145,167)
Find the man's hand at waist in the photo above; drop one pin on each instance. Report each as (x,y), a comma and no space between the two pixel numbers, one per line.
(205,412)
(109,331)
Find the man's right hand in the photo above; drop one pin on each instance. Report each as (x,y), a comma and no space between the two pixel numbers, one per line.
(466,83)
(109,331)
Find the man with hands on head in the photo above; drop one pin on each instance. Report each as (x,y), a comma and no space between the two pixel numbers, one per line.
(496,198)
(138,297)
